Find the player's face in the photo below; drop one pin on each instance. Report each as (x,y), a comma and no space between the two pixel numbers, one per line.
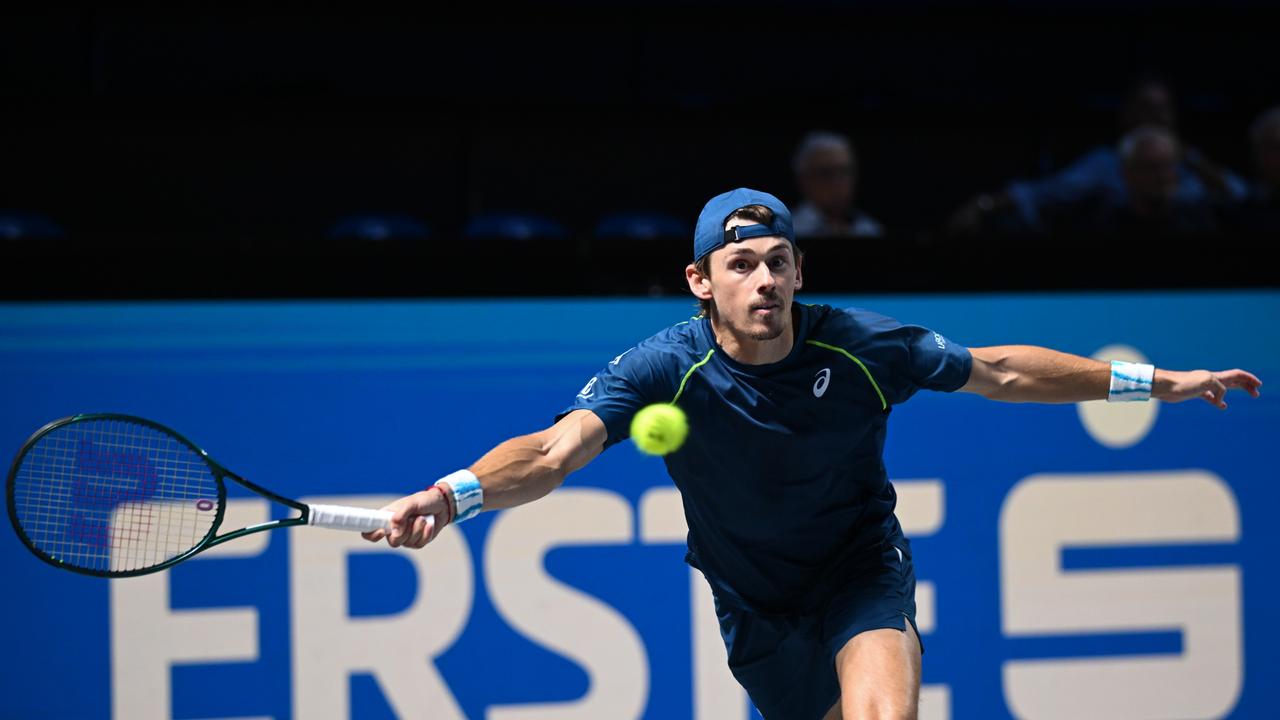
(752,283)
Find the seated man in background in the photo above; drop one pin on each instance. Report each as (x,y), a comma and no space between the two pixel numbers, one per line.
(1259,214)
(826,171)
(1098,177)
(1149,160)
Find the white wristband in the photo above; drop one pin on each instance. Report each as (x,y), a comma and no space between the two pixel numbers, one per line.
(468,497)
(1130,382)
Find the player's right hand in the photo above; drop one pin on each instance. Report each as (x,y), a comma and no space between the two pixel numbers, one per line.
(1212,387)
(409,520)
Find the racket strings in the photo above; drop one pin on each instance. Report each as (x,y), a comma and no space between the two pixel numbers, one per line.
(111,495)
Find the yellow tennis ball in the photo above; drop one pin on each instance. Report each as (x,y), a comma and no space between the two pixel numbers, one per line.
(659,429)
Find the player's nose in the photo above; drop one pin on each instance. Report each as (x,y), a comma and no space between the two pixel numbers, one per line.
(765,277)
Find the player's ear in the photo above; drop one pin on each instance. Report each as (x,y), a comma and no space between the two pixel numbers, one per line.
(799,264)
(699,284)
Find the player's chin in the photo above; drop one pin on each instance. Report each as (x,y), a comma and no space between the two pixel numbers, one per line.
(767,328)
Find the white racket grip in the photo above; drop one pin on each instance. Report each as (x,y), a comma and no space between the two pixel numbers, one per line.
(342,517)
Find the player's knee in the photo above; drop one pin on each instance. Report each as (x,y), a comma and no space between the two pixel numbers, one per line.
(878,706)
(878,701)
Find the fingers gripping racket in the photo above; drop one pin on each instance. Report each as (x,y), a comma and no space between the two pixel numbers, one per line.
(116,495)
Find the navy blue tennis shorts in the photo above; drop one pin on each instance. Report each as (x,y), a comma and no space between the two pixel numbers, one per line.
(787,663)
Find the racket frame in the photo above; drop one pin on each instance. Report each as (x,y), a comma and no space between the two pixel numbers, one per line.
(210,539)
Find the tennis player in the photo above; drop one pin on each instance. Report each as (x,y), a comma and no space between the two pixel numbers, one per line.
(790,510)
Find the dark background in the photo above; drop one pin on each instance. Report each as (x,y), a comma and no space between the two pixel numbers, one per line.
(207,153)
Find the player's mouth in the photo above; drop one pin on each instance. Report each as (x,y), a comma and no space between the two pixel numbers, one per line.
(765,309)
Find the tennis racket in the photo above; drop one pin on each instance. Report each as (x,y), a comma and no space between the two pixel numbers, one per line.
(115,496)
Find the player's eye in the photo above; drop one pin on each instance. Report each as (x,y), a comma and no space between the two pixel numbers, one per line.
(778,262)
(741,265)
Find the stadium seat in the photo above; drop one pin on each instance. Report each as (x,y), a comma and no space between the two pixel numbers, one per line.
(376,227)
(641,226)
(514,226)
(17,225)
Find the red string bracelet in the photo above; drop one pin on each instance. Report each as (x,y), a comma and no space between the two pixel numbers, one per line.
(448,506)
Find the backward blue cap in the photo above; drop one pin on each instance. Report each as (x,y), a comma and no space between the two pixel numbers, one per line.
(710,233)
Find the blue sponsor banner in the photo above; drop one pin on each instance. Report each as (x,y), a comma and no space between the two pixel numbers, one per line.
(1075,561)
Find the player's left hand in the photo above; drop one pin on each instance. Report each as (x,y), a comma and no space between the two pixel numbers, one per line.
(1174,386)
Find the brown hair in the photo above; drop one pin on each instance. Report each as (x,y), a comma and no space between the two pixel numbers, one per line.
(755,213)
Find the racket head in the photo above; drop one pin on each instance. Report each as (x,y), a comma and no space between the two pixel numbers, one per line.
(113,495)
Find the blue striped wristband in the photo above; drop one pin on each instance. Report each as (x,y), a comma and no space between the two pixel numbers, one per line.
(468,497)
(1130,382)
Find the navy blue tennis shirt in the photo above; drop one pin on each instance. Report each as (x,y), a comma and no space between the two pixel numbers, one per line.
(782,476)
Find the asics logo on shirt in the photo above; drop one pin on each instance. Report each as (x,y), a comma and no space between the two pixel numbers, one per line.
(617,359)
(589,389)
(820,384)
(940,341)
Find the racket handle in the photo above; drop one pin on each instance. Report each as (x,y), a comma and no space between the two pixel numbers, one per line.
(342,517)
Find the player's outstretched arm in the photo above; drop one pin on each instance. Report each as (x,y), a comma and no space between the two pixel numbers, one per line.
(1025,373)
(515,472)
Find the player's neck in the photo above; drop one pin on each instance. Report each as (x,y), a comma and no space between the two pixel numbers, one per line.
(749,351)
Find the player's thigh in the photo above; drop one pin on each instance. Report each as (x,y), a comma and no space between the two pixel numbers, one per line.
(879,673)
(781,663)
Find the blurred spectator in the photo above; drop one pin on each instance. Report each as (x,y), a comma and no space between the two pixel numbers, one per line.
(1098,177)
(1259,214)
(826,171)
(1149,161)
